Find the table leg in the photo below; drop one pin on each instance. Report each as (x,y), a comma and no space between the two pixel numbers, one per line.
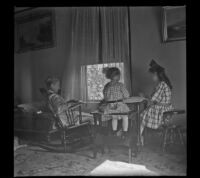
(100,120)
(131,122)
(138,126)
(95,119)
(129,155)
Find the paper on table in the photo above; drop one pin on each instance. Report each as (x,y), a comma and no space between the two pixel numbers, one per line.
(120,168)
(134,99)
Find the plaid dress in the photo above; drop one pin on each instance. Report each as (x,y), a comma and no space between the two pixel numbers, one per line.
(152,116)
(59,106)
(112,92)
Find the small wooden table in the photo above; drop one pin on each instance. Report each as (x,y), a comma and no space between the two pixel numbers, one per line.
(133,101)
(137,101)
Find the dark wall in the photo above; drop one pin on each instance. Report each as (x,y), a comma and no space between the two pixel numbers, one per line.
(146,41)
(31,68)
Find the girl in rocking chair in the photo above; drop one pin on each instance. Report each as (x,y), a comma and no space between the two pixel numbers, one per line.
(56,102)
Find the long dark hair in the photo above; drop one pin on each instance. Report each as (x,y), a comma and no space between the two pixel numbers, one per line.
(163,77)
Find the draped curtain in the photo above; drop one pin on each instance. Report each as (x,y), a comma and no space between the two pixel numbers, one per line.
(115,38)
(99,35)
(84,48)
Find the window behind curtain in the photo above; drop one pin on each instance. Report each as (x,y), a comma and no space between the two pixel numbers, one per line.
(93,80)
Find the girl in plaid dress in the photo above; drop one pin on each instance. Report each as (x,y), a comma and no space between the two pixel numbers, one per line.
(115,90)
(160,100)
(59,105)
(57,102)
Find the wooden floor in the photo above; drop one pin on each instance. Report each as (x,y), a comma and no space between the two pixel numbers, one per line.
(33,160)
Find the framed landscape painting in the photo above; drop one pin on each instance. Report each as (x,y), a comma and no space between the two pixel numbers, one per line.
(35,31)
(174,23)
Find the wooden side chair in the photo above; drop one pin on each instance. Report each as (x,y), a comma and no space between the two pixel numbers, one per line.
(169,129)
(172,129)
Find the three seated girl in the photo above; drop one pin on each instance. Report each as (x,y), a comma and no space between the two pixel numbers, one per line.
(159,102)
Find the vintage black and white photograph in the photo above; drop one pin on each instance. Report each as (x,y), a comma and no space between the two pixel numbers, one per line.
(100,91)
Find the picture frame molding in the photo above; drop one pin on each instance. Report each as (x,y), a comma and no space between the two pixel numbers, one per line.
(164,25)
(35,14)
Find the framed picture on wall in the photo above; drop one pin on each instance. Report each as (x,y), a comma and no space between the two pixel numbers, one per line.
(34,31)
(174,23)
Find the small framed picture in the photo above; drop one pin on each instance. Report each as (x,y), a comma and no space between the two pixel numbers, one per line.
(174,23)
(34,31)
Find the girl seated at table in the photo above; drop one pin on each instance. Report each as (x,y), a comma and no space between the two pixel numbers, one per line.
(115,90)
(58,103)
(159,102)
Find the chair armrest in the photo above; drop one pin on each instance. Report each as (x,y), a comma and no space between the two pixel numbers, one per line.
(74,106)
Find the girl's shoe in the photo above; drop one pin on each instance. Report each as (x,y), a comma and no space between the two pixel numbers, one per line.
(124,134)
(114,132)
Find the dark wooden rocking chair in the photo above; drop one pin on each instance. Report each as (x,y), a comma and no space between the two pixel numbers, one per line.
(73,133)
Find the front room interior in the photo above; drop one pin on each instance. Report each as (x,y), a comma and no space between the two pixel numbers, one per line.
(74,45)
